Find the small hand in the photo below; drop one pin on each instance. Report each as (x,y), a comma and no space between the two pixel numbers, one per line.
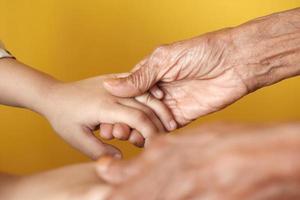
(77,109)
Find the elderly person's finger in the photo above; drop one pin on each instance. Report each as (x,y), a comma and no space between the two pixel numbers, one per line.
(134,85)
(157,92)
(144,76)
(160,109)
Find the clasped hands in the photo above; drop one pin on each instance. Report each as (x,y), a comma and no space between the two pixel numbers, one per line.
(170,88)
(175,84)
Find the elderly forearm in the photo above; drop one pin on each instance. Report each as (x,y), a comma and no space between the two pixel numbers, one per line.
(22,86)
(267,50)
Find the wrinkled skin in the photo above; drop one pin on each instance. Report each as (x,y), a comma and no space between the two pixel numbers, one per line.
(205,74)
(218,162)
(196,78)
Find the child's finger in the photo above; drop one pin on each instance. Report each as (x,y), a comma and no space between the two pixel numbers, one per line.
(84,140)
(160,109)
(121,131)
(136,138)
(106,131)
(150,113)
(134,118)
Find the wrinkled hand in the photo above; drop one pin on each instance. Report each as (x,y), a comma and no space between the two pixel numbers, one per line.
(205,74)
(194,76)
(230,163)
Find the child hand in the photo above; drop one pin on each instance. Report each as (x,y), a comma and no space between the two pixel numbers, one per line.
(123,132)
(77,109)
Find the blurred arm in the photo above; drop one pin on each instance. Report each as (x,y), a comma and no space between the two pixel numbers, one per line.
(73,182)
(221,161)
(7,185)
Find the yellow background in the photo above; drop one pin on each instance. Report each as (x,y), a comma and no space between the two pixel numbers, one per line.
(73,39)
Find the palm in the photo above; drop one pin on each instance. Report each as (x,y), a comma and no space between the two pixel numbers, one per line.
(195,97)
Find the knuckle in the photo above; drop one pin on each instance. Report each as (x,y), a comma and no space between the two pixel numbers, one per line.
(140,80)
(159,52)
(161,49)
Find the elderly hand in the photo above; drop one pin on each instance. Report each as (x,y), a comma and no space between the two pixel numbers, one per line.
(196,76)
(257,163)
(205,74)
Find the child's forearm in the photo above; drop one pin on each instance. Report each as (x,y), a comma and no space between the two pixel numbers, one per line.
(71,182)
(23,86)
(8,184)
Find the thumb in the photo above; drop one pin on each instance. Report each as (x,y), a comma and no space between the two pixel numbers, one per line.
(134,84)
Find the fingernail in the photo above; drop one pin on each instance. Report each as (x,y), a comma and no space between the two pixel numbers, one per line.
(158,94)
(172,125)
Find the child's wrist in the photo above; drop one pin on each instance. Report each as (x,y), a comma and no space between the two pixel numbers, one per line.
(39,102)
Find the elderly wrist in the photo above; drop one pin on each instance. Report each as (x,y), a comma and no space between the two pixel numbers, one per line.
(262,56)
